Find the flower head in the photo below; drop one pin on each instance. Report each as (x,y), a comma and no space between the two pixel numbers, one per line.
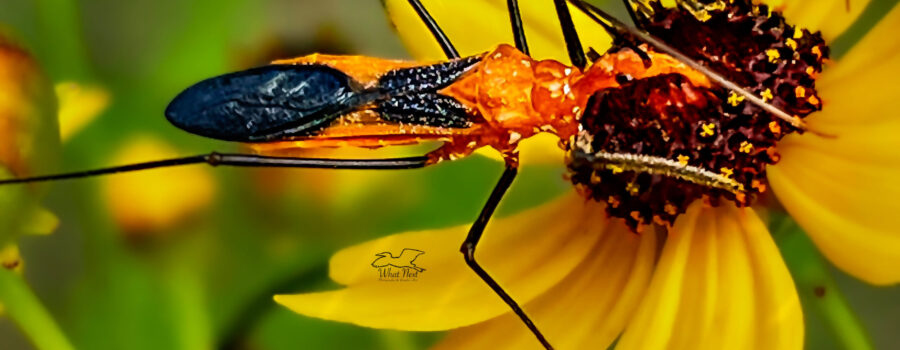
(709,276)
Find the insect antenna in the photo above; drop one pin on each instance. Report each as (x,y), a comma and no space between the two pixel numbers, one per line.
(603,18)
(237,160)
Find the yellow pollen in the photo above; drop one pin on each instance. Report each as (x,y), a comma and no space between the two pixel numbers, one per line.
(671,209)
(791,43)
(813,100)
(659,220)
(708,129)
(726,172)
(683,159)
(636,215)
(595,178)
(817,51)
(800,92)
(759,186)
(734,99)
(613,201)
(810,70)
(746,147)
(632,188)
(616,169)
(773,55)
(767,95)
(798,34)
(774,127)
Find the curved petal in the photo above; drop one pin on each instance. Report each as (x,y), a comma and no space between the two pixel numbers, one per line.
(78,106)
(831,17)
(841,190)
(476,26)
(587,310)
(720,284)
(527,253)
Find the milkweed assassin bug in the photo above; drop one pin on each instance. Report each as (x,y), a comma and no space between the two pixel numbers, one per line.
(326,101)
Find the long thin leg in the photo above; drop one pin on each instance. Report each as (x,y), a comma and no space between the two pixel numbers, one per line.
(509,174)
(573,44)
(238,160)
(436,31)
(630,8)
(515,18)
(471,242)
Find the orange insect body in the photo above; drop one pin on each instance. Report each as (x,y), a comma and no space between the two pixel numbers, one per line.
(511,96)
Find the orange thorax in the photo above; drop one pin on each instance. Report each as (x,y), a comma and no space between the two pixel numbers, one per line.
(511,97)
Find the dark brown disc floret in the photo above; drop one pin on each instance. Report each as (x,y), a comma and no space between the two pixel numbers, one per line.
(652,146)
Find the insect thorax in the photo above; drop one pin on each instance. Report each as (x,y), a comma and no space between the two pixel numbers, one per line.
(652,146)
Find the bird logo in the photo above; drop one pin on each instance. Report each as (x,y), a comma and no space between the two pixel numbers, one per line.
(404,260)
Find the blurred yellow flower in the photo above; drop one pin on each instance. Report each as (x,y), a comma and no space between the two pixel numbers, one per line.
(716,281)
(29,141)
(78,106)
(10,260)
(338,190)
(156,200)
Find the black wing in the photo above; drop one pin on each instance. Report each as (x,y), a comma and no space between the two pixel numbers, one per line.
(266,103)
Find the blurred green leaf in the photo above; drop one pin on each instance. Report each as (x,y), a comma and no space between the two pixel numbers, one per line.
(26,310)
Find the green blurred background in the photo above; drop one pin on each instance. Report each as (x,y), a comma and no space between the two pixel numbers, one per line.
(207,281)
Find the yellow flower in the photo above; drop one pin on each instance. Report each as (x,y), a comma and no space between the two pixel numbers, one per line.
(716,281)
(335,190)
(153,201)
(78,106)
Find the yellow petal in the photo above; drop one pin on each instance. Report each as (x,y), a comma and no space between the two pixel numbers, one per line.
(155,200)
(527,254)
(540,149)
(587,310)
(831,17)
(720,284)
(477,26)
(39,221)
(841,190)
(78,106)
(10,258)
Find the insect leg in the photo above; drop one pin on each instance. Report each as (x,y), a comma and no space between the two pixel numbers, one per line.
(515,19)
(436,31)
(573,44)
(477,228)
(630,7)
(237,160)
(474,236)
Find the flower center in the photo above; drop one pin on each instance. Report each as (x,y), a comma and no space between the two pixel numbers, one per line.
(677,142)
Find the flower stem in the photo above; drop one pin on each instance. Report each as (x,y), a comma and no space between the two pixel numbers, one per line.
(26,310)
(816,285)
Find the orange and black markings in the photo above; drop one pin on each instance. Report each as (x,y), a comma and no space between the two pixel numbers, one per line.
(286,101)
(646,133)
(669,117)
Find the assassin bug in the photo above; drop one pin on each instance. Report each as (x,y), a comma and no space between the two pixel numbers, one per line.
(649,128)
